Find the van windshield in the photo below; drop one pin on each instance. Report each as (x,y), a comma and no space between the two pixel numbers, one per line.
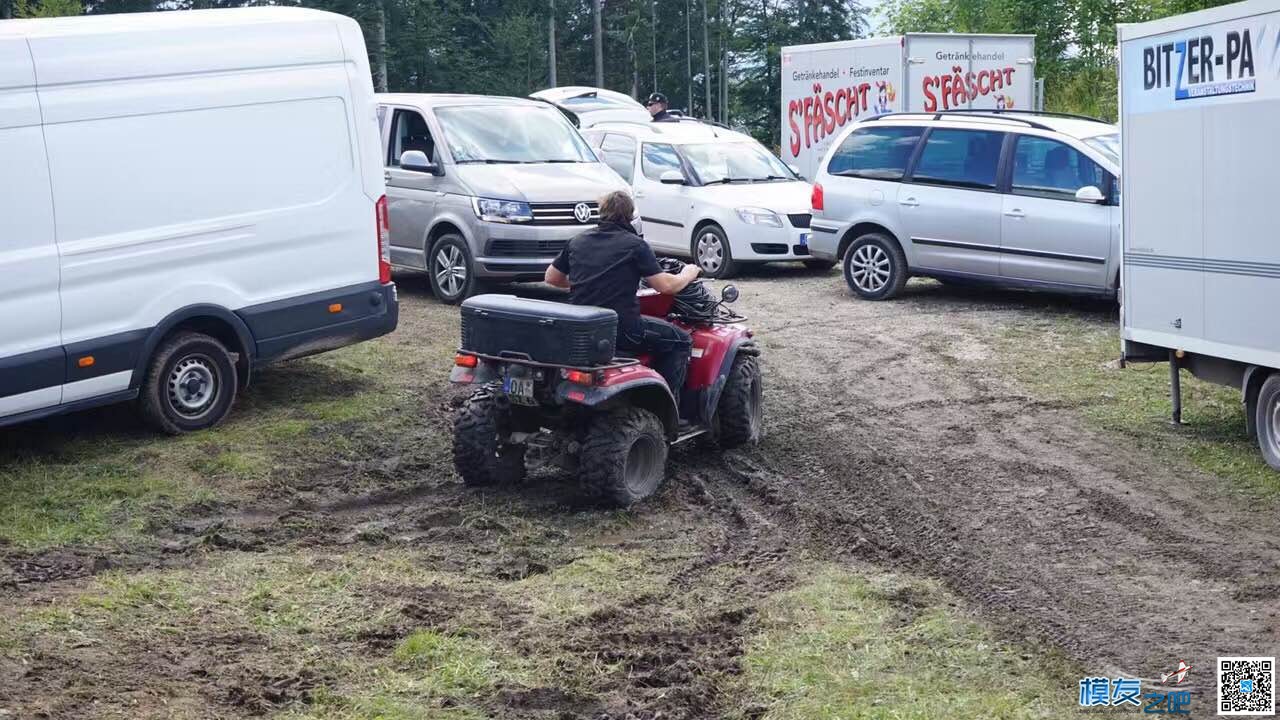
(734,162)
(511,134)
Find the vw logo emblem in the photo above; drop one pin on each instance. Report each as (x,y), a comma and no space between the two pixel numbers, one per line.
(582,212)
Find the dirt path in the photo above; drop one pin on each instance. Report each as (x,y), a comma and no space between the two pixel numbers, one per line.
(895,431)
(894,437)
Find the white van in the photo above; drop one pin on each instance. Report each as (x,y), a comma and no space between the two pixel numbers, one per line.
(184,197)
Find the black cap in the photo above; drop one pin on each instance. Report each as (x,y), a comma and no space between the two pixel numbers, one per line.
(656,98)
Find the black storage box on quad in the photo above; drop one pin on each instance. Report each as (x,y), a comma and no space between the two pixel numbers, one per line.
(538,330)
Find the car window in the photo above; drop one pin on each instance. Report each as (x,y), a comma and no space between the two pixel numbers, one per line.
(1048,168)
(409,131)
(960,158)
(734,162)
(619,153)
(658,158)
(880,153)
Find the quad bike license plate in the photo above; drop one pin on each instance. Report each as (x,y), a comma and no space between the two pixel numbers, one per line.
(520,390)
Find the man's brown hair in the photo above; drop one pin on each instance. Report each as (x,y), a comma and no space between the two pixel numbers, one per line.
(617,207)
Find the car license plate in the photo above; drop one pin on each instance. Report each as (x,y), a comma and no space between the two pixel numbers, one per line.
(804,238)
(520,390)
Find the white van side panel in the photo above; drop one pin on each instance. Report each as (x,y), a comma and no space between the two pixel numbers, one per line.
(228,188)
(31,358)
(364,109)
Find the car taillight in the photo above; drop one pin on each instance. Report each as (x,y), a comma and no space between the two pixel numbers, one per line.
(815,200)
(384,240)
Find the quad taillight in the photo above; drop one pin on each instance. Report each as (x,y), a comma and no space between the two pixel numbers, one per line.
(466,361)
(384,240)
(579,377)
(815,200)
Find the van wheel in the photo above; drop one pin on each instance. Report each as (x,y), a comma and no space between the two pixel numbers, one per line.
(625,455)
(452,272)
(711,252)
(1267,419)
(875,267)
(190,384)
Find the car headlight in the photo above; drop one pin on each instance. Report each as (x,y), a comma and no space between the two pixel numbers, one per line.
(759,216)
(502,211)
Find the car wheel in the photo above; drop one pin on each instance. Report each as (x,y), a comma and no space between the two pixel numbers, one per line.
(1267,420)
(451,269)
(624,455)
(874,267)
(711,252)
(189,386)
(479,455)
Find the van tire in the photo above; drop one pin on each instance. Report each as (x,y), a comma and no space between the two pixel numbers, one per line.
(451,251)
(711,245)
(864,259)
(1267,420)
(190,384)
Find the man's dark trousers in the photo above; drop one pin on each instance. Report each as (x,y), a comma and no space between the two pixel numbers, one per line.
(669,347)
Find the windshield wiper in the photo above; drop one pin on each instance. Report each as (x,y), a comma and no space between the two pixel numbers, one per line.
(491,161)
(563,161)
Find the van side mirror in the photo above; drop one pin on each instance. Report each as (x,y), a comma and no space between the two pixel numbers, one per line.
(416,161)
(671,177)
(1090,194)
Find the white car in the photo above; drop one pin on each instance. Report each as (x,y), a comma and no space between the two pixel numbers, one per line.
(590,106)
(709,193)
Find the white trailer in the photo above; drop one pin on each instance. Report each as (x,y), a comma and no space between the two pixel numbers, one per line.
(828,85)
(1200,98)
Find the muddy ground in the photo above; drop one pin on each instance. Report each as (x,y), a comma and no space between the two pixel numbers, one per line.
(897,438)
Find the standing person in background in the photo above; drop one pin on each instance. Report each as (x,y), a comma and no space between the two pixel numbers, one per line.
(657,106)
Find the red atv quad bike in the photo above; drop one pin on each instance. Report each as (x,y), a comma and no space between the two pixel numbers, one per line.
(552,389)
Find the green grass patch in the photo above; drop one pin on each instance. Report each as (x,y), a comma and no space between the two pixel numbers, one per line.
(1075,362)
(590,583)
(448,664)
(43,504)
(847,646)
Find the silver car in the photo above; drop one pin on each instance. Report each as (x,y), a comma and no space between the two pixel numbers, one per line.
(484,188)
(1012,198)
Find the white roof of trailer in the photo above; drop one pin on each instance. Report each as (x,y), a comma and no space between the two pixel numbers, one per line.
(898,39)
(1235,11)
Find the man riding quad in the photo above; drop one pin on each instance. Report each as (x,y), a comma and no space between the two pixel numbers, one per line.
(604,385)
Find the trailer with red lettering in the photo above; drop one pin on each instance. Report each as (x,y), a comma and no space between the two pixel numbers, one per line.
(826,86)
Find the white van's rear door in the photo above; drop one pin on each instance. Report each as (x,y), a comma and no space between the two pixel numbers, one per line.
(32,362)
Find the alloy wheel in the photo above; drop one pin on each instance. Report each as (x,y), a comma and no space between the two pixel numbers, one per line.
(450,270)
(870,268)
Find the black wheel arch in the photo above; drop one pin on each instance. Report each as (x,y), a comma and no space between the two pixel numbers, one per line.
(741,345)
(215,321)
(864,228)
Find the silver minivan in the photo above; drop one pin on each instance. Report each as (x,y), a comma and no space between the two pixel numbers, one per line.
(1012,198)
(484,188)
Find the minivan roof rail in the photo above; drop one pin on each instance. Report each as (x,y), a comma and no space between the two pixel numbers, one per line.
(989,115)
(1045,113)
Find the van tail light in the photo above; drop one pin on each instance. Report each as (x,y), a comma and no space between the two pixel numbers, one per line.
(815,200)
(384,241)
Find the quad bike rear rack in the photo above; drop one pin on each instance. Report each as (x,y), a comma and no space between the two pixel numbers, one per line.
(523,358)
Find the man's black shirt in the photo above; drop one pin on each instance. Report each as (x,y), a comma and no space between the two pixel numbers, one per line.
(664,116)
(605,266)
